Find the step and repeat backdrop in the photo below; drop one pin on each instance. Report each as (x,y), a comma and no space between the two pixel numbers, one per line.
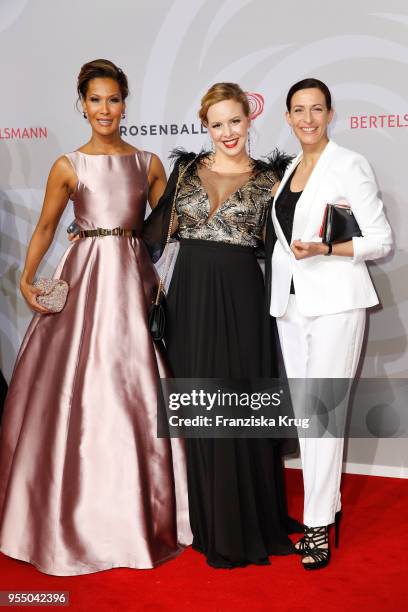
(172,51)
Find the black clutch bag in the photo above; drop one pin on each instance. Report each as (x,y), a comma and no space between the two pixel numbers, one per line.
(157,318)
(339,224)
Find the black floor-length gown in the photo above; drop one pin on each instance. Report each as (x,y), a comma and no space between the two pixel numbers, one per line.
(217,328)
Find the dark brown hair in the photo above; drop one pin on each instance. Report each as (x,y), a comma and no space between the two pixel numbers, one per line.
(309,84)
(220,92)
(101,69)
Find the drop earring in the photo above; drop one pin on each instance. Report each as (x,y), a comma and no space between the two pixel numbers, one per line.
(249,143)
(210,155)
(123,116)
(85,115)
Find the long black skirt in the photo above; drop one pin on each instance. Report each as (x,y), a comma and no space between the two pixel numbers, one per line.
(217,328)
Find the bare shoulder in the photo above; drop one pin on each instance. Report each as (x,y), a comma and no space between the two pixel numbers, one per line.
(62,167)
(63,173)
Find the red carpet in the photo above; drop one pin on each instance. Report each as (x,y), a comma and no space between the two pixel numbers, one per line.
(368,572)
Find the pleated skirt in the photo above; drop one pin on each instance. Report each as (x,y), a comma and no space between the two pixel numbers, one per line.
(217,328)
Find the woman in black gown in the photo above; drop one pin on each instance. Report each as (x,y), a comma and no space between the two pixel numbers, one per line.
(216,328)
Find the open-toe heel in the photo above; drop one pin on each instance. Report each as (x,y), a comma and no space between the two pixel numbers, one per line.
(315,538)
(300,545)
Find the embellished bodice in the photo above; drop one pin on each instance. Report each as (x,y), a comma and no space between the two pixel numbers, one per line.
(224,208)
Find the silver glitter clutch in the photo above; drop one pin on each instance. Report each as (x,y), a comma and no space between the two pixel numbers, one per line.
(55,291)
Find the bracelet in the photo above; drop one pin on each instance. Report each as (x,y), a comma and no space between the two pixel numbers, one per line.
(329,252)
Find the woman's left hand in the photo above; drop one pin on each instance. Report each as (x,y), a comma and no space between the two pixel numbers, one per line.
(301,250)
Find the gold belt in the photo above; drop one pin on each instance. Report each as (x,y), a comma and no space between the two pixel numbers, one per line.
(100,231)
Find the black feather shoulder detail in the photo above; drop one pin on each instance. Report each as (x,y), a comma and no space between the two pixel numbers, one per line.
(180,155)
(277,162)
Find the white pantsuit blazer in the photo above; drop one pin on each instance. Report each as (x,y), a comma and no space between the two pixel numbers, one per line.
(326,285)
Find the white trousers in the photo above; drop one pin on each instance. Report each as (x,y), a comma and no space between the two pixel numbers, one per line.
(327,346)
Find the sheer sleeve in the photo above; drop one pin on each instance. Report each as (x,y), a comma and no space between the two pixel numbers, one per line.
(156,226)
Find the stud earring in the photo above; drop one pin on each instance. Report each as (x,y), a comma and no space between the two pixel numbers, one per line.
(85,115)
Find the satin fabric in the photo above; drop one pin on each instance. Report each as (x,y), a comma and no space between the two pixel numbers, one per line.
(85,485)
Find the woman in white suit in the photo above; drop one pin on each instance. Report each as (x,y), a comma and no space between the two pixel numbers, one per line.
(320,292)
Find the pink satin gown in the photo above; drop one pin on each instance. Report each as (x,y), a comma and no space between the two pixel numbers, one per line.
(85,485)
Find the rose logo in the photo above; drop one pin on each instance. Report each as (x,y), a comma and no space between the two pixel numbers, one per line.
(256,104)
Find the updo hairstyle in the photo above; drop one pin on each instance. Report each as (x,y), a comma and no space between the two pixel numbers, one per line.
(101,69)
(220,92)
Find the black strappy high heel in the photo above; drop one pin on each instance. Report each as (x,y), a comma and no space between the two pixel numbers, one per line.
(300,545)
(317,537)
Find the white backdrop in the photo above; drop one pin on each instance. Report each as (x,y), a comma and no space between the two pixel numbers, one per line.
(172,51)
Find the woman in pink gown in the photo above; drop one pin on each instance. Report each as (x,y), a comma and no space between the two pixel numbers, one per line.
(85,485)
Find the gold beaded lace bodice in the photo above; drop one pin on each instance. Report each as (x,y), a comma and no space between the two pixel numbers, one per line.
(228,208)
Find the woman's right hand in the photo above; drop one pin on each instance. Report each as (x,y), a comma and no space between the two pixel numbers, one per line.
(30,294)
(73,237)
(61,182)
